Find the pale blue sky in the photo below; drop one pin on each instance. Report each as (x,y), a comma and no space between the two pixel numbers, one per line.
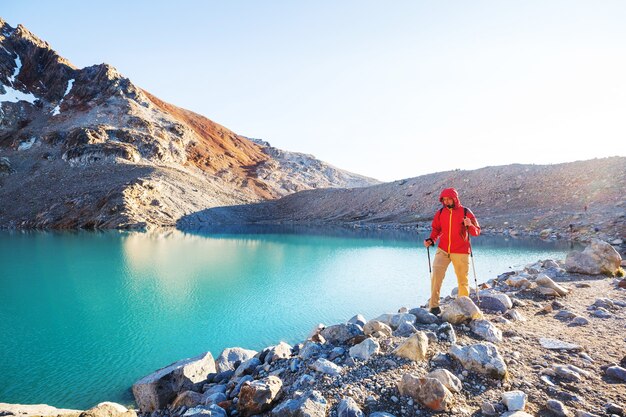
(385,89)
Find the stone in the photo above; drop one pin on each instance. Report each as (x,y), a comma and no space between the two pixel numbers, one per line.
(359,320)
(549,292)
(461,310)
(597,258)
(555,344)
(429,392)
(377,328)
(605,303)
(109,409)
(446,332)
(514,315)
(247,367)
(481,357)
(258,396)
(423,316)
(550,263)
(212,410)
(308,404)
(565,315)
(488,409)
(405,329)
(214,398)
(36,410)
(544,281)
(310,350)
(486,330)
(616,372)
(381,414)
(612,408)
(280,351)
(337,352)
(447,378)
(494,301)
(394,320)
(518,282)
(514,400)
(365,349)
(622,283)
(601,313)
(326,367)
(230,356)
(516,414)
(558,408)
(414,348)
(158,389)
(579,321)
(347,407)
(5,166)
(340,334)
(188,399)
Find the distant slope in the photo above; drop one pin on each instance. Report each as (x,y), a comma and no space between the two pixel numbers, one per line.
(516,198)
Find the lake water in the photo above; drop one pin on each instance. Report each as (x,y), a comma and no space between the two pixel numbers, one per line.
(84,315)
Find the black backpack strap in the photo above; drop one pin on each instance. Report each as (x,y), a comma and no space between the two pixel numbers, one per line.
(464,211)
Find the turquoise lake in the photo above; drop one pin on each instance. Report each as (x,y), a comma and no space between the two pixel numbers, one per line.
(83,315)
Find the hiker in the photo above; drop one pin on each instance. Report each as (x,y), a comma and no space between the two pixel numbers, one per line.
(451,225)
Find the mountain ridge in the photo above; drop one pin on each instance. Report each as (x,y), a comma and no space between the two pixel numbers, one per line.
(58,121)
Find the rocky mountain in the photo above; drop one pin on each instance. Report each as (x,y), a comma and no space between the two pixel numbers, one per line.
(87,148)
(513,199)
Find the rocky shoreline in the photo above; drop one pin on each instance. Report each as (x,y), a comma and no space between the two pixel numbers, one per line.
(547,340)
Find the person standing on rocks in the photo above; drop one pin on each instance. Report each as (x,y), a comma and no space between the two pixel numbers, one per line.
(452,225)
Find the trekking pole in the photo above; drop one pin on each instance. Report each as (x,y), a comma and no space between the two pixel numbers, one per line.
(428,251)
(469,241)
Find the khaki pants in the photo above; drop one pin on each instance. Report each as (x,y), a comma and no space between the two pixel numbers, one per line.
(460,261)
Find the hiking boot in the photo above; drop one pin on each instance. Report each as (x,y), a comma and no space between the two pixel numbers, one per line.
(435,310)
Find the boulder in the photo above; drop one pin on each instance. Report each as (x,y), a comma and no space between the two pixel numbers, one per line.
(495,301)
(447,378)
(347,407)
(340,334)
(461,310)
(446,332)
(423,316)
(483,358)
(486,330)
(414,348)
(257,397)
(158,389)
(514,400)
(227,361)
(365,349)
(544,281)
(377,328)
(597,258)
(308,404)
(326,367)
(109,409)
(430,392)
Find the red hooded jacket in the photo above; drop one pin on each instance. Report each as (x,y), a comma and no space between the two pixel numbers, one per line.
(447,225)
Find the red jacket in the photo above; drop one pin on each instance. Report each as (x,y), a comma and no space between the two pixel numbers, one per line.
(447,225)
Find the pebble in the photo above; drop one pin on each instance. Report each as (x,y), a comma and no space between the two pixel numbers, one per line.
(616,372)
(558,408)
